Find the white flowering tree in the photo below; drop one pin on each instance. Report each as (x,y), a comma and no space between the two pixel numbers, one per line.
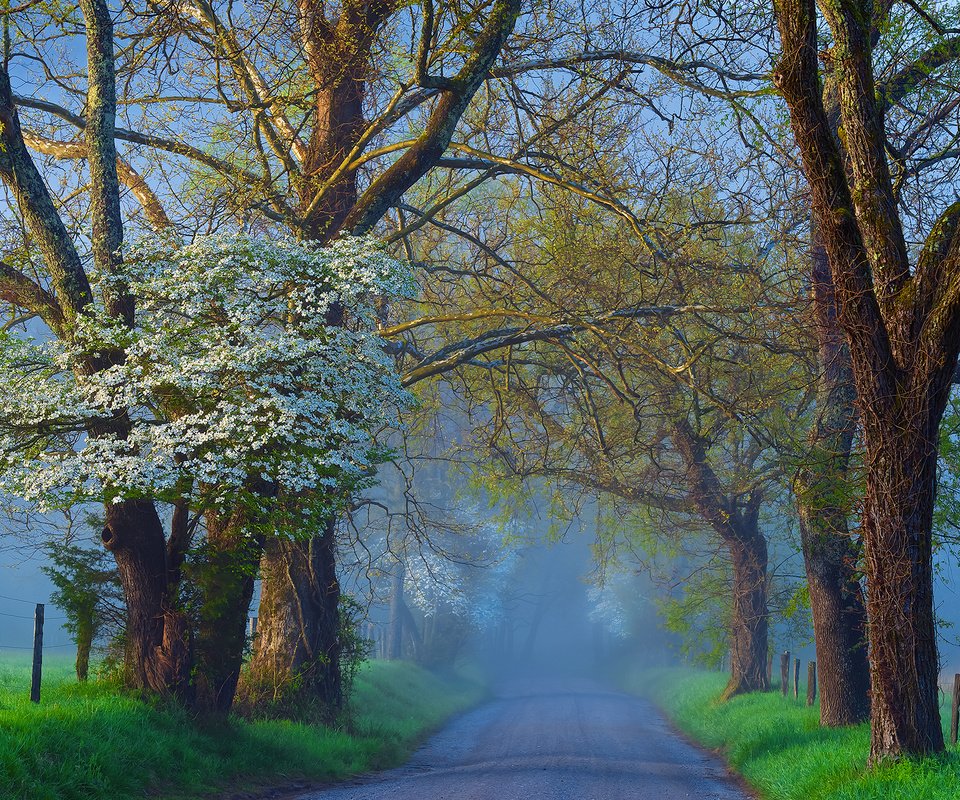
(231,378)
(457,577)
(248,387)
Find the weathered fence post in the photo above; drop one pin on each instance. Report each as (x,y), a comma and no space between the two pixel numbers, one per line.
(785,671)
(796,678)
(770,670)
(811,683)
(955,715)
(37,653)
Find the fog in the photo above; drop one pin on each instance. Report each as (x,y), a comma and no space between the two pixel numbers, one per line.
(552,609)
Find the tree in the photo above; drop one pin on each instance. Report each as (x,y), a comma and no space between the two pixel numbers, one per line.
(824,493)
(133,531)
(901,316)
(674,405)
(88,591)
(299,617)
(244,408)
(311,132)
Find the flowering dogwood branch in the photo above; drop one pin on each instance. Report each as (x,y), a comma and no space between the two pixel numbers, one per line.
(231,377)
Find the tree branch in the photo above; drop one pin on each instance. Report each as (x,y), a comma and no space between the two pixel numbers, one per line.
(129,177)
(388,188)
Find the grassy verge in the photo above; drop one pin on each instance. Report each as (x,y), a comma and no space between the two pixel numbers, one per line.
(778,745)
(92,743)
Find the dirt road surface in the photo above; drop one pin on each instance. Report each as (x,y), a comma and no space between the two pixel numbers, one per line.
(565,739)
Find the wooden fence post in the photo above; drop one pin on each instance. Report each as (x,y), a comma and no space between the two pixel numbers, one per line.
(37,653)
(796,678)
(811,683)
(955,715)
(785,671)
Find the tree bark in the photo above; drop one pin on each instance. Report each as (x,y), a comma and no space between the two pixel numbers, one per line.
(410,627)
(821,489)
(85,629)
(338,56)
(226,583)
(736,521)
(898,520)
(157,656)
(298,646)
(903,329)
(297,654)
(749,620)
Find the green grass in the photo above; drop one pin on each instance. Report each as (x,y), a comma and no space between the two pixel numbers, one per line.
(91,742)
(778,745)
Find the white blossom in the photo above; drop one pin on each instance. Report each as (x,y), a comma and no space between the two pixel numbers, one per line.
(232,372)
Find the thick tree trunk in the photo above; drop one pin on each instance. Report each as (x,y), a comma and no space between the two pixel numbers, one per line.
(339,58)
(298,640)
(226,585)
(157,655)
(736,521)
(839,616)
(748,622)
(898,520)
(821,488)
(338,124)
(297,653)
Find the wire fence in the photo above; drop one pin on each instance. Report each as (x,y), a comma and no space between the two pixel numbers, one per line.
(5,644)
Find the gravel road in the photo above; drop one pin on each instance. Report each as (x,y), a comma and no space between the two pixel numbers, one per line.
(551,740)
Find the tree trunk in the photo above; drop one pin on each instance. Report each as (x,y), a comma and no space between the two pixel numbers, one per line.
(395,642)
(297,655)
(839,617)
(226,584)
(338,66)
(299,615)
(898,520)
(748,623)
(85,629)
(410,626)
(736,521)
(822,494)
(157,656)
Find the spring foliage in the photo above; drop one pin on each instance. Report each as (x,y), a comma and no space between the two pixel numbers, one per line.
(232,376)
